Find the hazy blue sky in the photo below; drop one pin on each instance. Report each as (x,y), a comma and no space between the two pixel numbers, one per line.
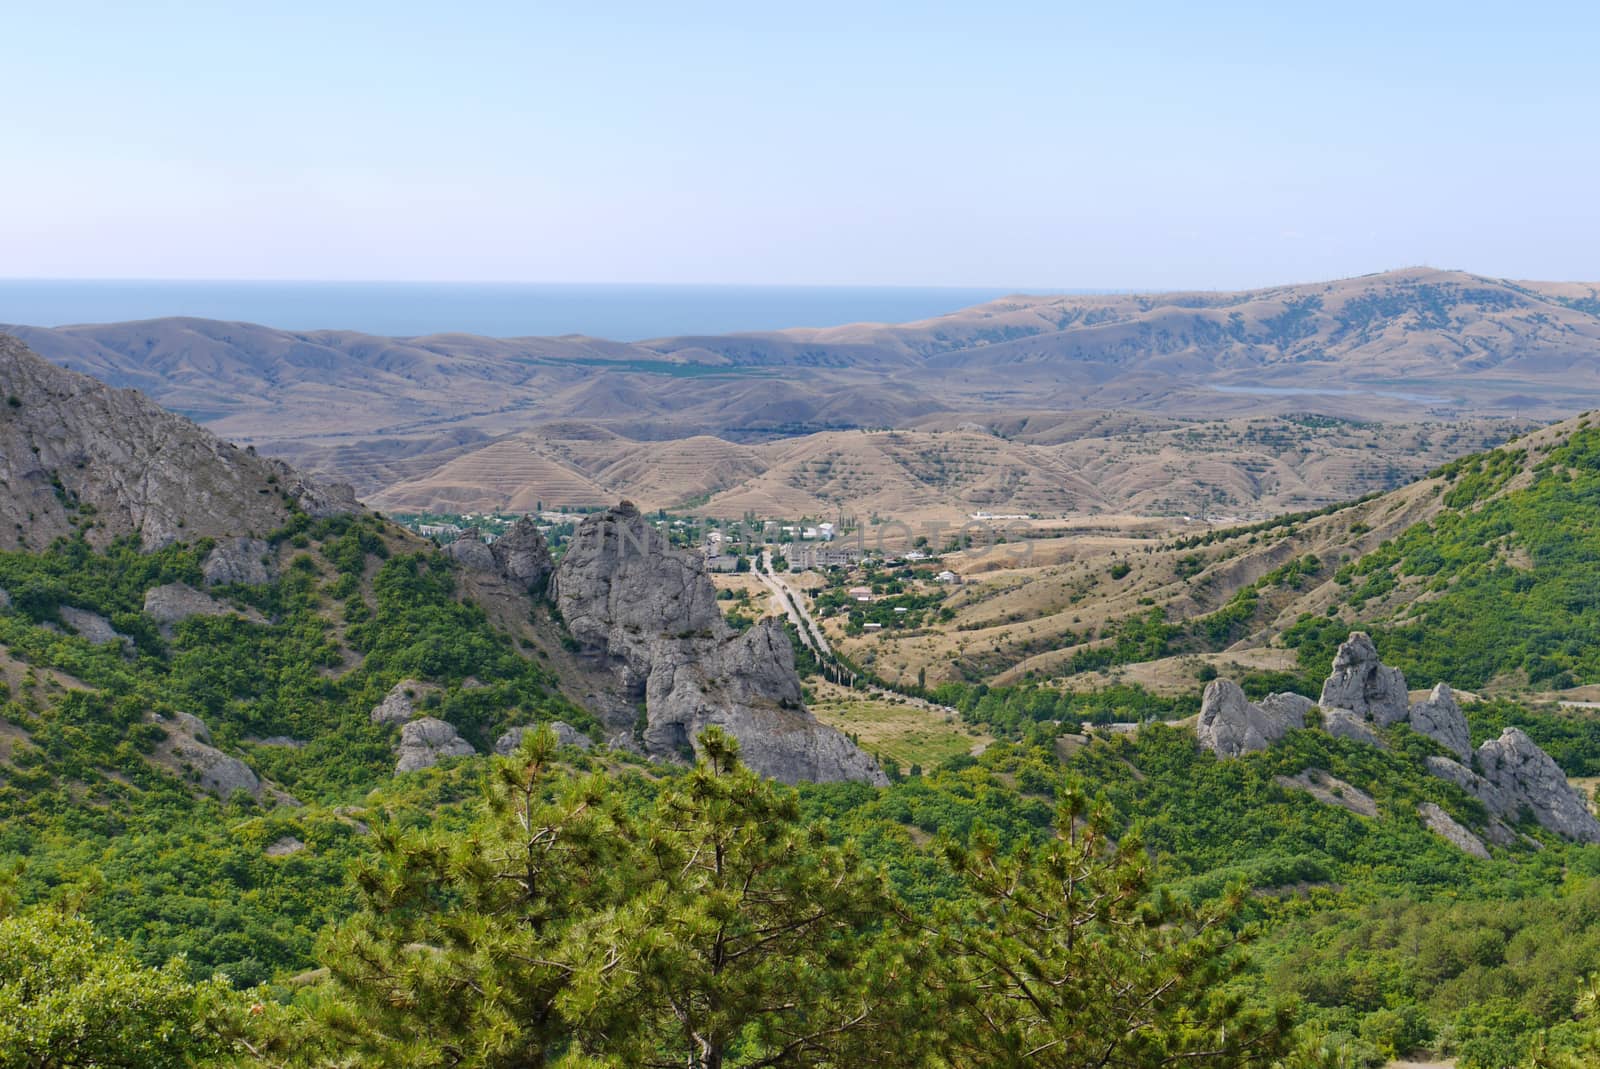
(1014,144)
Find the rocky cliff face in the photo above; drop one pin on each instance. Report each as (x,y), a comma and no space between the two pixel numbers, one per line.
(1230,725)
(67,441)
(520,556)
(1512,776)
(648,613)
(1364,685)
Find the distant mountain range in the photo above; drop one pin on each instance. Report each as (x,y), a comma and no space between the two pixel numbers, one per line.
(1417,345)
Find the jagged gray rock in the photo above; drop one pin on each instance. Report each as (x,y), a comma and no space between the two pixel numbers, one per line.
(648,613)
(91,626)
(246,561)
(470,551)
(566,735)
(175,602)
(1451,831)
(425,742)
(1493,798)
(1364,685)
(1343,724)
(192,726)
(1229,725)
(523,556)
(1288,707)
(1530,777)
(284,846)
(69,442)
(1440,718)
(5,600)
(400,704)
(189,752)
(1331,790)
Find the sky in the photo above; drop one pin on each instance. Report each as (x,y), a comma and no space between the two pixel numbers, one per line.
(1045,145)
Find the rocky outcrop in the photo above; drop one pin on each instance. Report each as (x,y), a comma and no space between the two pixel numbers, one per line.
(425,742)
(1331,790)
(520,556)
(1514,776)
(400,704)
(1229,725)
(1364,685)
(175,602)
(67,441)
(284,846)
(470,551)
(566,735)
(523,557)
(1343,724)
(1440,718)
(91,626)
(1289,707)
(5,600)
(1529,777)
(188,751)
(245,561)
(1451,831)
(647,613)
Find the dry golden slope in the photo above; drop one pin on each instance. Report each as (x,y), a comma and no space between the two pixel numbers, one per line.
(1395,344)
(1016,618)
(1116,465)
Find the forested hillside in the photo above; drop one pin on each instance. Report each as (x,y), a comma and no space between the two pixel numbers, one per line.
(264,803)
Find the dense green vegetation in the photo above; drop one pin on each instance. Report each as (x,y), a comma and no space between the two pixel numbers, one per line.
(95,821)
(1121,899)
(1508,571)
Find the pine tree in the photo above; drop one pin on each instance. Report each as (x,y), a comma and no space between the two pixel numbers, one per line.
(751,941)
(1065,957)
(459,955)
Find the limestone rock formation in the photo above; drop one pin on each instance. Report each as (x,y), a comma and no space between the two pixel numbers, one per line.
(1451,831)
(192,726)
(67,441)
(1530,777)
(1343,724)
(470,551)
(400,704)
(5,600)
(284,846)
(523,557)
(91,626)
(566,735)
(1363,694)
(189,752)
(1440,718)
(1493,798)
(1230,725)
(175,602)
(246,561)
(520,556)
(1288,707)
(425,742)
(1364,685)
(648,613)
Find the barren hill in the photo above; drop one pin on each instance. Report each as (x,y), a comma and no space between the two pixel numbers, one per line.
(424,422)
(1395,343)
(1113,463)
(1486,562)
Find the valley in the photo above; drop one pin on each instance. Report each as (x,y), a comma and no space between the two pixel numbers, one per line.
(249,721)
(1194,403)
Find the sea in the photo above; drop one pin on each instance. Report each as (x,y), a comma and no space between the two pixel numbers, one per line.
(496,309)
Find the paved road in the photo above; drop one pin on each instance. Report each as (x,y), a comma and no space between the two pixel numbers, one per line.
(793,603)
